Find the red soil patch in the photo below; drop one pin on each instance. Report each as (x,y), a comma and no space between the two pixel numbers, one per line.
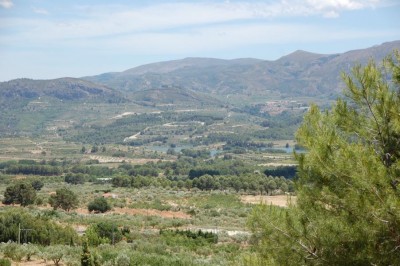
(152,212)
(33,263)
(146,212)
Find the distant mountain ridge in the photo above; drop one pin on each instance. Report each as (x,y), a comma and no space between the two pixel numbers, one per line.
(62,89)
(300,73)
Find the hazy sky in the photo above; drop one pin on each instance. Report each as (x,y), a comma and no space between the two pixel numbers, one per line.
(55,38)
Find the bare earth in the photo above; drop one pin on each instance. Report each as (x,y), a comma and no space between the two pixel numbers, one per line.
(147,212)
(279,200)
(33,263)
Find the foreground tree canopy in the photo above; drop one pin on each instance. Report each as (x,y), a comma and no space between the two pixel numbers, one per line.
(348,205)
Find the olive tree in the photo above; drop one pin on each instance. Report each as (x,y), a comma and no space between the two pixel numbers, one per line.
(64,199)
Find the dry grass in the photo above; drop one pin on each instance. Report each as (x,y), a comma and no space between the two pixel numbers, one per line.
(279,200)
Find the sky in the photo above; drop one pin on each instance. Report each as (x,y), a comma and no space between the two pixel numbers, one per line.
(45,39)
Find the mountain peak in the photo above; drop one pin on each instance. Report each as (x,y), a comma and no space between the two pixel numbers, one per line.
(300,55)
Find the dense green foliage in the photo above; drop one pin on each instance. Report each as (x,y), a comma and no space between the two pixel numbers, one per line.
(74,179)
(37,184)
(199,235)
(99,205)
(5,262)
(348,207)
(103,232)
(43,231)
(285,171)
(254,183)
(64,199)
(22,193)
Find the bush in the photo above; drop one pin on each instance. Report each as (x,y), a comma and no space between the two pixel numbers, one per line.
(13,251)
(45,231)
(5,262)
(99,205)
(37,184)
(74,179)
(103,232)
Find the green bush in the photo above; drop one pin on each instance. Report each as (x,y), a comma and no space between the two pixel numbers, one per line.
(45,231)
(99,205)
(5,262)
(102,233)
(13,251)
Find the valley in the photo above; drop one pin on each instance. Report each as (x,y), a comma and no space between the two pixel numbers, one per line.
(163,164)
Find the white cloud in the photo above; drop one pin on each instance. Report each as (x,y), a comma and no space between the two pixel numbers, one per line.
(332,8)
(40,11)
(181,27)
(111,21)
(6,3)
(331,14)
(100,21)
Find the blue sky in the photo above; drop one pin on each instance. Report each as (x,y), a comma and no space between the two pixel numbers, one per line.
(45,39)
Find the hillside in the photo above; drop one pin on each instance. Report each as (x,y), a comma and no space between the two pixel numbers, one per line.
(298,74)
(66,89)
(171,96)
(28,106)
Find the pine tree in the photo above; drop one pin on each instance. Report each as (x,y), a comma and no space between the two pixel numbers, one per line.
(348,206)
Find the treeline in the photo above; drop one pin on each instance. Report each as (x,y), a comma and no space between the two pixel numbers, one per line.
(140,142)
(186,172)
(44,170)
(286,171)
(53,168)
(186,166)
(232,141)
(255,183)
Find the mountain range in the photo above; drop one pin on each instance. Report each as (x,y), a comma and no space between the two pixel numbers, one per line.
(300,73)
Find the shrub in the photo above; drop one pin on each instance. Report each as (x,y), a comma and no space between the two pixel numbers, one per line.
(13,251)
(103,232)
(74,179)
(45,231)
(5,262)
(37,184)
(99,205)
